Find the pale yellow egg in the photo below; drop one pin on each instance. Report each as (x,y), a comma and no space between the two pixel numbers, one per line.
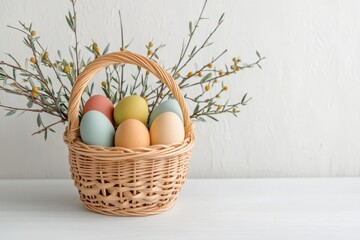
(167,128)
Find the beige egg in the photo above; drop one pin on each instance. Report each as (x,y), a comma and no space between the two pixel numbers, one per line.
(167,128)
(132,133)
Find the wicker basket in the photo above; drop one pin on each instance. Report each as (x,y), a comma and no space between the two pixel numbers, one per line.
(122,181)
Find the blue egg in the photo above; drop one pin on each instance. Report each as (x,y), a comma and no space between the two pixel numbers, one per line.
(96,129)
(170,105)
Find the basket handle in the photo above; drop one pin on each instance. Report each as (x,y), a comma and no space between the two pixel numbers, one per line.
(125,58)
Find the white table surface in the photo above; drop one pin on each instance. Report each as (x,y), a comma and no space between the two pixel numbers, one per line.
(207,209)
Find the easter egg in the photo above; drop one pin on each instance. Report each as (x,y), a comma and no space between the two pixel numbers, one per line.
(96,129)
(131,107)
(170,105)
(132,133)
(167,128)
(101,104)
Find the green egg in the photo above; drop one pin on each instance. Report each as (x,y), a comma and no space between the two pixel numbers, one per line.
(96,129)
(170,105)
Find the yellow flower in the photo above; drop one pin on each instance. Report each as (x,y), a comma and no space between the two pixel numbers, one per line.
(147,72)
(35,89)
(207,87)
(218,96)
(149,52)
(71,64)
(221,73)
(33,60)
(218,107)
(66,69)
(34,94)
(177,74)
(216,80)
(232,67)
(234,60)
(235,110)
(122,49)
(238,68)
(210,65)
(151,44)
(33,33)
(225,88)
(199,74)
(103,83)
(95,48)
(46,55)
(190,74)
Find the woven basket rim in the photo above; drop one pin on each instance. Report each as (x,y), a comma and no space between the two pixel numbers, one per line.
(158,151)
(151,148)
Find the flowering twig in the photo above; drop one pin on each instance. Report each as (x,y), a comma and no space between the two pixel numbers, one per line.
(38,88)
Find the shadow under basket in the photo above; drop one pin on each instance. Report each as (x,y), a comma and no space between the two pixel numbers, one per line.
(121,181)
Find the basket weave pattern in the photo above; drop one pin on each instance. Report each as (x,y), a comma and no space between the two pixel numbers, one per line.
(121,181)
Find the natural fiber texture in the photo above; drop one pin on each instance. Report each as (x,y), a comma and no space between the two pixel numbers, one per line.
(122,181)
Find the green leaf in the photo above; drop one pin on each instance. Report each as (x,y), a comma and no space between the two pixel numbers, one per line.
(51,130)
(70,22)
(2,74)
(206,77)
(193,51)
(91,88)
(26,42)
(17,63)
(127,45)
(59,54)
(34,39)
(114,98)
(201,119)
(58,99)
(221,19)
(45,134)
(258,54)
(38,120)
(190,27)
(88,48)
(21,113)
(31,83)
(71,53)
(14,74)
(106,93)
(196,108)
(10,112)
(106,49)
(213,118)
(29,104)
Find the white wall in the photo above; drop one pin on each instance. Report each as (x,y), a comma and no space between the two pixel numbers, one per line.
(305,113)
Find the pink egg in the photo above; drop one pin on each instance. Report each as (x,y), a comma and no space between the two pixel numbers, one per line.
(132,133)
(101,104)
(167,128)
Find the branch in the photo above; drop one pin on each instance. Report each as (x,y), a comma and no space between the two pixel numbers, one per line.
(73,2)
(22,109)
(47,127)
